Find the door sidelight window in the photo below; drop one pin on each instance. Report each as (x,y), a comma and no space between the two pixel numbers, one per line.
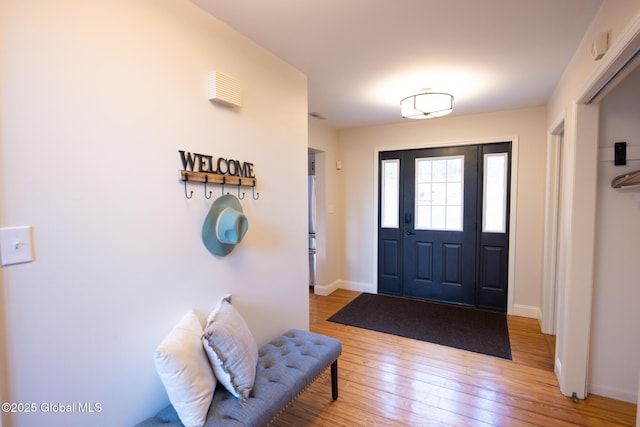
(390,203)
(494,206)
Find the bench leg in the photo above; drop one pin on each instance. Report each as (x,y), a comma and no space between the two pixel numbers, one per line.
(334,380)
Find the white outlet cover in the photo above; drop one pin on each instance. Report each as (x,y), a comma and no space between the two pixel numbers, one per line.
(15,245)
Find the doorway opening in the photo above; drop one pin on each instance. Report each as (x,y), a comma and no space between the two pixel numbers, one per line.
(312,218)
(443,224)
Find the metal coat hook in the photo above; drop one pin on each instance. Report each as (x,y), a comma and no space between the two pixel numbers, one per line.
(240,185)
(224,181)
(206,180)
(186,178)
(255,196)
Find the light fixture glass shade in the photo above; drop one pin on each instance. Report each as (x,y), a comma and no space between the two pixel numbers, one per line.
(426,105)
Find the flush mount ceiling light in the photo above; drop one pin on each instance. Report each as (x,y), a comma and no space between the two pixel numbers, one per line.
(426,105)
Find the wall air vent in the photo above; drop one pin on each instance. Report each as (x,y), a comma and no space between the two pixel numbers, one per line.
(224,90)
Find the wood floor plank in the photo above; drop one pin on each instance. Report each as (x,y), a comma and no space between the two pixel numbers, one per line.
(385,380)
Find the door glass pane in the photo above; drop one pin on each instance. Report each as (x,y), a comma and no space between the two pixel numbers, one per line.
(454,218)
(454,193)
(439,195)
(494,209)
(439,219)
(423,215)
(454,170)
(424,170)
(390,193)
(439,167)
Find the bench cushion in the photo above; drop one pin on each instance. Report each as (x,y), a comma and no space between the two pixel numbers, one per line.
(286,367)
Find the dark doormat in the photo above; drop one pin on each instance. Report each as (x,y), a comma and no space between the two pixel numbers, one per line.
(458,327)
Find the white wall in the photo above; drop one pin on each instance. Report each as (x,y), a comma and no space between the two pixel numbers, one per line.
(614,17)
(615,345)
(359,146)
(97,98)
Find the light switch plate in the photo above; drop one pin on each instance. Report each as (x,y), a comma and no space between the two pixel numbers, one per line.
(15,245)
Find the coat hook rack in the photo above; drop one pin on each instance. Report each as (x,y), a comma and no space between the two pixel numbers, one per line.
(212,178)
(627,180)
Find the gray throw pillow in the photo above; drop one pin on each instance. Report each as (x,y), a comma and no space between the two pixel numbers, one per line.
(232,349)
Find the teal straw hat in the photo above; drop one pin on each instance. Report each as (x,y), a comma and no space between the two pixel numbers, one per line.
(225,225)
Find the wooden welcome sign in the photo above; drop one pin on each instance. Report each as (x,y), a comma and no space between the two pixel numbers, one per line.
(205,168)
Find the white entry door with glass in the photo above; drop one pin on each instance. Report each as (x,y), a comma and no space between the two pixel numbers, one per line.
(443,229)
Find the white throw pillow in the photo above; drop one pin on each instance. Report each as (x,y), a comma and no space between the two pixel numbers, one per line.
(185,371)
(232,349)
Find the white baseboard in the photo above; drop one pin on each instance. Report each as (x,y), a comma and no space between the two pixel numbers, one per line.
(325,290)
(526,311)
(518,309)
(344,284)
(613,393)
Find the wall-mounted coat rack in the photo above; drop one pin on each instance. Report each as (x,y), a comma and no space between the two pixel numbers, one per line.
(214,178)
(627,180)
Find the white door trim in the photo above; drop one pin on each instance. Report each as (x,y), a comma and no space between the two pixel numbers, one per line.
(550,254)
(574,308)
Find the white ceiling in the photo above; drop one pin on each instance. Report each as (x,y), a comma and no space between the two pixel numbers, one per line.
(362,56)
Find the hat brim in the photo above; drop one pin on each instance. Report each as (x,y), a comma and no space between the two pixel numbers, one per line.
(209,235)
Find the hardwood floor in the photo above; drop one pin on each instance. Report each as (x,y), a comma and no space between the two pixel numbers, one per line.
(386,380)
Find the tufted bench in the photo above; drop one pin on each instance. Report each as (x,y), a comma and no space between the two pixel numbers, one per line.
(286,367)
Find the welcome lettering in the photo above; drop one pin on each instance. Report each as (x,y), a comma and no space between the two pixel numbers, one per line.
(195,162)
